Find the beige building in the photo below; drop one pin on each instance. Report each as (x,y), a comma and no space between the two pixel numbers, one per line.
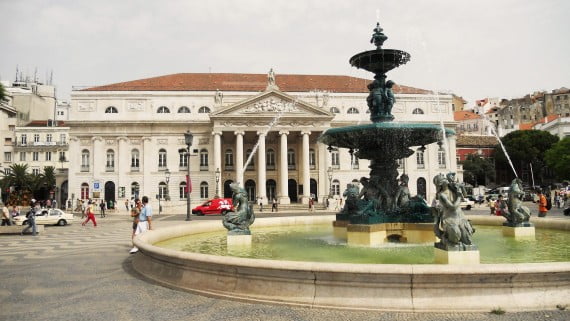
(125,137)
(7,127)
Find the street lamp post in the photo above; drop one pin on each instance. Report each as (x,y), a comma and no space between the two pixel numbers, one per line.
(217,181)
(188,140)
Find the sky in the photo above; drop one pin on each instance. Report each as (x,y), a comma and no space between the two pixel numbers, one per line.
(474,49)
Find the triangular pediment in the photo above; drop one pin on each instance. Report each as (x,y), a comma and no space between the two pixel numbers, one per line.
(270,104)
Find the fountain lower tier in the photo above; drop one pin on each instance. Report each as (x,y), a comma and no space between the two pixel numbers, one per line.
(383,139)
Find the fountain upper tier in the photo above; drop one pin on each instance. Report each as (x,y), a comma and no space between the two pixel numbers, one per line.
(379,61)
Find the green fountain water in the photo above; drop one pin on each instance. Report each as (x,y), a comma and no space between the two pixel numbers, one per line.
(314,243)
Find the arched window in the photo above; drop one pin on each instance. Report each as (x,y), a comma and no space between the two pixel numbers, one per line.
(418,111)
(84,191)
(291,158)
(335,110)
(229,159)
(421,187)
(85,160)
(203,159)
(135,160)
(270,159)
(204,110)
(162,190)
(335,187)
(420,157)
(312,159)
(163,110)
(183,110)
(111,110)
(135,190)
(110,163)
(162,158)
(182,158)
(251,164)
(182,190)
(203,190)
(352,110)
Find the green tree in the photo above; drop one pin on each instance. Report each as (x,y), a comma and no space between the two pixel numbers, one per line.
(558,158)
(478,170)
(18,181)
(525,147)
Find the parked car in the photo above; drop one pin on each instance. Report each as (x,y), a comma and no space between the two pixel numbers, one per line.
(214,206)
(466,204)
(47,217)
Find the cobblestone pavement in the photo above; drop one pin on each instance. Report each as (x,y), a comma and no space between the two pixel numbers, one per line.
(84,273)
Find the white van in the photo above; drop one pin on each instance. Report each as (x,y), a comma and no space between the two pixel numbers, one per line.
(504,191)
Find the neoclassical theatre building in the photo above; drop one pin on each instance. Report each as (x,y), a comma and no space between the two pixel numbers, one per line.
(127,139)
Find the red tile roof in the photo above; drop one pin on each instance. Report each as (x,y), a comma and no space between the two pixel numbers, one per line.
(43,123)
(478,141)
(250,82)
(465,115)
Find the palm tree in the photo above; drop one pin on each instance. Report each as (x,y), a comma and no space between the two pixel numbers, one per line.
(17,178)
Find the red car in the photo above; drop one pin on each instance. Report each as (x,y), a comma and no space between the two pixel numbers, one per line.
(214,206)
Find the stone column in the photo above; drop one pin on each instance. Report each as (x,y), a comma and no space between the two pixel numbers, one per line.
(239,157)
(261,170)
(147,167)
(283,192)
(306,174)
(74,161)
(218,157)
(123,164)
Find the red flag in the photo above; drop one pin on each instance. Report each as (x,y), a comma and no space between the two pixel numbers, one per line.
(188,185)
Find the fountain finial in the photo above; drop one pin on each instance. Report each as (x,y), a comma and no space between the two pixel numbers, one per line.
(378,37)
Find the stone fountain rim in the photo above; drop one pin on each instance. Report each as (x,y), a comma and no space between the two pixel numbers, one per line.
(146,242)
(349,286)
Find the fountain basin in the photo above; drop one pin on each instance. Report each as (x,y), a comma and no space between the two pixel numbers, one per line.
(395,287)
(383,136)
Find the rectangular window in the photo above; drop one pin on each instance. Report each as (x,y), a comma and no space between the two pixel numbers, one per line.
(182,159)
(204,191)
(7,156)
(335,162)
(312,159)
(22,156)
(62,157)
(62,139)
(48,156)
(48,138)
(36,171)
(36,138)
(35,156)
(24,139)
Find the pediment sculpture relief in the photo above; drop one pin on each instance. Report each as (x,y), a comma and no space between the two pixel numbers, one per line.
(271,105)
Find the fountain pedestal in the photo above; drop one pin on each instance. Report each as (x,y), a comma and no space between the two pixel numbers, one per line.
(519,231)
(377,234)
(238,240)
(456,255)
(339,229)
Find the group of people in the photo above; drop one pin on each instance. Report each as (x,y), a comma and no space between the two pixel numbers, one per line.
(141,213)
(499,207)
(8,216)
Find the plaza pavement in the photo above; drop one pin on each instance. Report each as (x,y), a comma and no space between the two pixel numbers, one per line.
(84,273)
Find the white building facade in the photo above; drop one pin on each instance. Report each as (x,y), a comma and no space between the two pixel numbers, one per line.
(125,137)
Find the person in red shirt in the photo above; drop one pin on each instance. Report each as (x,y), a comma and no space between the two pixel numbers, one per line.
(542,203)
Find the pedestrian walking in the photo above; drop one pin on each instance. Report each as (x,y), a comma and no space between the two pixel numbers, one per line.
(492,204)
(500,206)
(135,215)
(273,205)
(261,204)
(102,207)
(542,205)
(311,205)
(90,214)
(127,204)
(31,218)
(6,219)
(145,220)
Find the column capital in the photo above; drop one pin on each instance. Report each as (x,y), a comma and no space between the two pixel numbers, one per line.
(239,132)
(96,138)
(122,138)
(73,139)
(305,132)
(283,132)
(217,132)
(146,139)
